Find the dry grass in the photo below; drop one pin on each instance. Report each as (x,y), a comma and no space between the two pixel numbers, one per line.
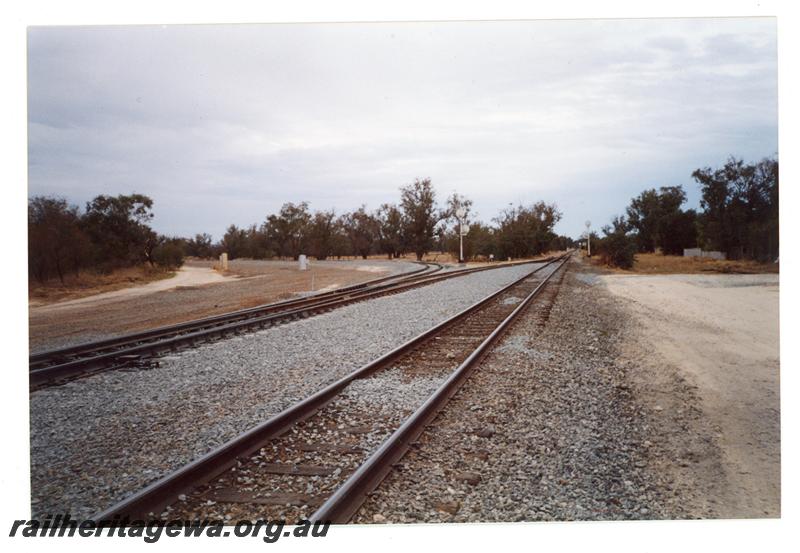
(89,283)
(657,264)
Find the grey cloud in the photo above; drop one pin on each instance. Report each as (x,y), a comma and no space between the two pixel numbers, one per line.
(222,124)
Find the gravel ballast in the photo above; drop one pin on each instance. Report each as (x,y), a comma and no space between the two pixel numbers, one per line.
(551,426)
(96,440)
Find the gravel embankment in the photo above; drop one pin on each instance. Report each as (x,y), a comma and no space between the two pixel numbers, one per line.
(549,427)
(96,440)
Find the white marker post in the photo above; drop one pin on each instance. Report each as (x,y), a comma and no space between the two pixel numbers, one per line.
(460,214)
(588,239)
(302,262)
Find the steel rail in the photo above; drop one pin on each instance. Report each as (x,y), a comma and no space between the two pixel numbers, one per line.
(154,497)
(348,498)
(169,340)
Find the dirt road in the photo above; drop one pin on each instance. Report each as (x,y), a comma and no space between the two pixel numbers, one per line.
(721,334)
(186,276)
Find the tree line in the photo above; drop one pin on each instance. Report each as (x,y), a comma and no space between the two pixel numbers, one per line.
(738,216)
(110,233)
(417,225)
(113,232)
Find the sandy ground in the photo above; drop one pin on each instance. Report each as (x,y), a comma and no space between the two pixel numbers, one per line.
(721,334)
(186,276)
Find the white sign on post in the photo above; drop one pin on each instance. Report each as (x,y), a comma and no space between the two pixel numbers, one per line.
(460,214)
(588,238)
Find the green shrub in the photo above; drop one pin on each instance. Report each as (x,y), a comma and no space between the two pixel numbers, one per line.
(168,255)
(617,248)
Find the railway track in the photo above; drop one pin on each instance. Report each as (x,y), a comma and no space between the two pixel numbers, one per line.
(142,348)
(320,458)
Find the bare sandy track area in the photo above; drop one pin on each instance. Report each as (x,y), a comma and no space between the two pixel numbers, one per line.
(186,276)
(721,333)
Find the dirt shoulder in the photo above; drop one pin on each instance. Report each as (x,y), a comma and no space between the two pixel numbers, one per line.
(720,335)
(657,264)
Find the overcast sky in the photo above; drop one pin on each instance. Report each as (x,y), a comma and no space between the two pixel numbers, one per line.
(223,124)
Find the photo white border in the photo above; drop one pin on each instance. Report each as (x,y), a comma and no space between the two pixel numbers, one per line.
(668,536)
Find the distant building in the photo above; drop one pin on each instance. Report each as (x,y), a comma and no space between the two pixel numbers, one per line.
(697,252)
